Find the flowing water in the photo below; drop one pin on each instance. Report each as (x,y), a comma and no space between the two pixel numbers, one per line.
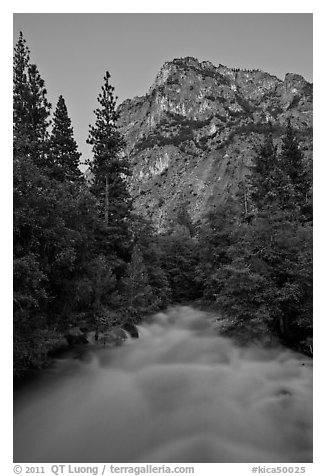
(179,393)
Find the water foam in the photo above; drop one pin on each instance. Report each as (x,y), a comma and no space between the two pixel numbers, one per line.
(178,394)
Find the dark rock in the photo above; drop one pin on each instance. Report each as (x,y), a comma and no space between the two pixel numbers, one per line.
(179,130)
(131,329)
(75,336)
(112,337)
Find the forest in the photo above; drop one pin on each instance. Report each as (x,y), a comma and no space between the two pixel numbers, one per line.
(83,257)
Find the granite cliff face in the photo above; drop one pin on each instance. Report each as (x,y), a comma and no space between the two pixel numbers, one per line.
(191,139)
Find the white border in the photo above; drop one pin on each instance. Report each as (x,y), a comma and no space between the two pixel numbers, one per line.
(168,6)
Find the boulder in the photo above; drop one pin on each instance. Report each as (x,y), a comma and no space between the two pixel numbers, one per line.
(75,336)
(131,329)
(113,337)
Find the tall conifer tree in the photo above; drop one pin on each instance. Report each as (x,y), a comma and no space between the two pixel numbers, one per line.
(292,162)
(30,107)
(20,92)
(110,170)
(136,282)
(291,158)
(271,186)
(262,179)
(63,147)
(38,117)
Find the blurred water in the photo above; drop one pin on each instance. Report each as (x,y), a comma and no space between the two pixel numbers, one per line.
(178,394)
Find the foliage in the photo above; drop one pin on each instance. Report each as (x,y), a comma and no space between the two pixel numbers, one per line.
(31,109)
(107,144)
(215,238)
(110,169)
(180,257)
(148,246)
(183,131)
(81,254)
(299,172)
(136,283)
(60,270)
(63,147)
(257,265)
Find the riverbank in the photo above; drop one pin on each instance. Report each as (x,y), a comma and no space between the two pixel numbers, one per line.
(48,345)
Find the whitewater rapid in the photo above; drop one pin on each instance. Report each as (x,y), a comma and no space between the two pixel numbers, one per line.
(179,393)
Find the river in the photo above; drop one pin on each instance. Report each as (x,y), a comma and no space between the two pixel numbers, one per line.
(179,393)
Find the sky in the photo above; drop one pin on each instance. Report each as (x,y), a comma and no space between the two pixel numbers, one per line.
(73,51)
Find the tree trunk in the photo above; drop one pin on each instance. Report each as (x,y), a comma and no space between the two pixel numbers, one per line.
(246,202)
(106,206)
(282,326)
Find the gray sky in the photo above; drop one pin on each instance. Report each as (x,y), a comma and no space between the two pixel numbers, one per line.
(73,51)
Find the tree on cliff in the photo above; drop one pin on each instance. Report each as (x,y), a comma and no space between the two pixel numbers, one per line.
(268,280)
(262,180)
(299,171)
(63,148)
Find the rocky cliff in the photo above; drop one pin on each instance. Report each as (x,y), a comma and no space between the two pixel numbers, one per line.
(191,139)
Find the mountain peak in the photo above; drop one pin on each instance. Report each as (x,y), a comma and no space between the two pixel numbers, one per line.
(190,141)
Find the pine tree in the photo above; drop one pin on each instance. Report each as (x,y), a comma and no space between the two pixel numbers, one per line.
(109,170)
(136,284)
(271,186)
(292,162)
(215,241)
(28,184)
(183,219)
(180,257)
(63,148)
(48,223)
(20,92)
(31,108)
(277,248)
(291,158)
(262,179)
(147,241)
(39,112)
